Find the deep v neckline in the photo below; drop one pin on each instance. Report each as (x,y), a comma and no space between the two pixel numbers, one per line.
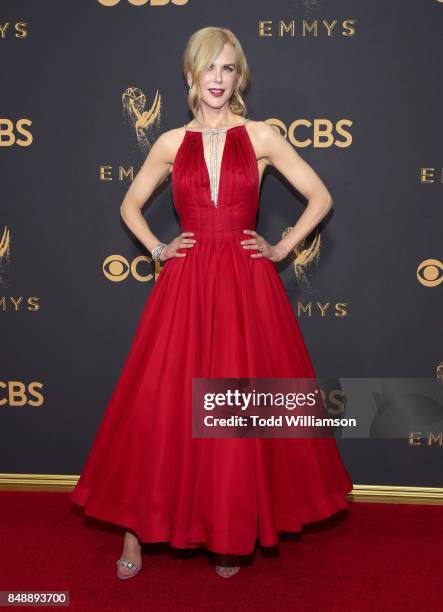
(220,174)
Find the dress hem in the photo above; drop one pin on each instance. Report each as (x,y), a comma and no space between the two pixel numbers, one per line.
(267,537)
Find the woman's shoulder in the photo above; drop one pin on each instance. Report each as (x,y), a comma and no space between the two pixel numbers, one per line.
(261,128)
(169,136)
(168,142)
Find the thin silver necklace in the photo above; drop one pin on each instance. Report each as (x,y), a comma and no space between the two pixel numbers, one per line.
(219,129)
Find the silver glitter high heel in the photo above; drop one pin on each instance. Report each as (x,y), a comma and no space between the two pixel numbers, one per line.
(130,565)
(228,565)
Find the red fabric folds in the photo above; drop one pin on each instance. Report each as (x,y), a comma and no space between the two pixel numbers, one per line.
(215,313)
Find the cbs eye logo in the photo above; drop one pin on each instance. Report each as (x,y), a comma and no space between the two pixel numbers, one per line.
(430,272)
(142,2)
(117,268)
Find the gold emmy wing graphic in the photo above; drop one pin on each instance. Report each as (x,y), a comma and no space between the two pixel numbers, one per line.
(304,253)
(5,243)
(134,107)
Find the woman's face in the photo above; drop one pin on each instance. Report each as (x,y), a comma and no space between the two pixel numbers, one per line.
(217,82)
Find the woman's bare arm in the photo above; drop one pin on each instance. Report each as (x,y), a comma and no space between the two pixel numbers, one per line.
(154,171)
(278,152)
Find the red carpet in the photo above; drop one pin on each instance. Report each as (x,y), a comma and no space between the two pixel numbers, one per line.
(372,557)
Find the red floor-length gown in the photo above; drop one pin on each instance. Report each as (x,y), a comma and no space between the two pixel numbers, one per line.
(215,313)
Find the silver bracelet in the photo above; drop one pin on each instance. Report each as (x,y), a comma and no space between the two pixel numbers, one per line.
(156,251)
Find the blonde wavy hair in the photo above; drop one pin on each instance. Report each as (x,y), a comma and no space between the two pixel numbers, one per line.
(201,50)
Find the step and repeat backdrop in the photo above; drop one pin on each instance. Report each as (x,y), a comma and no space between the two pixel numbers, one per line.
(88,86)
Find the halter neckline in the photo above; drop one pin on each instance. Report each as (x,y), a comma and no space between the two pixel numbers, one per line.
(212,171)
(213,178)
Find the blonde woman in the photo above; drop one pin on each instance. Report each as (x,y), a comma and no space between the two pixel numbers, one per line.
(217,310)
